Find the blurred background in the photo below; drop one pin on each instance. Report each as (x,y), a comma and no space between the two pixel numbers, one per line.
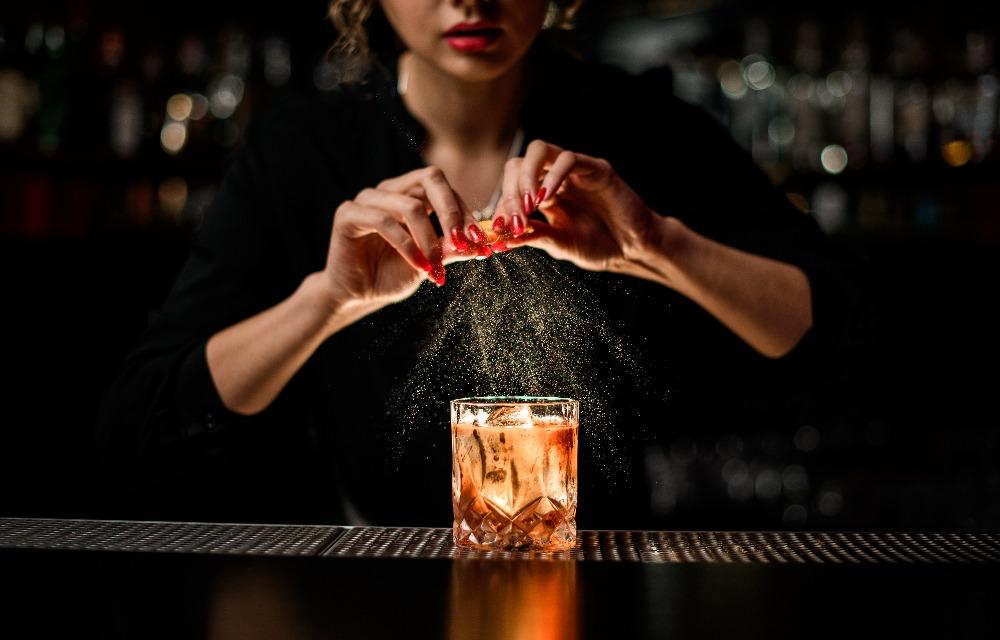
(117,120)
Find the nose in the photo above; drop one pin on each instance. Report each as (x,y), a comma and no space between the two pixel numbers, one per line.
(471,4)
(474,9)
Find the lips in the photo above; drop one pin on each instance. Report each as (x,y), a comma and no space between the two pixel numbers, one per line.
(473,32)
(477,26)
(472,36)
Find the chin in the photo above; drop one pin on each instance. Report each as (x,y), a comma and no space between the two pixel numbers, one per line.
(475,68)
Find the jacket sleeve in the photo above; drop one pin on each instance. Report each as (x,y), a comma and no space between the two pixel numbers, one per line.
(162,401)
(704,178)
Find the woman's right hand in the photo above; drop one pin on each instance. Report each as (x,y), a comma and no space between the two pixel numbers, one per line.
(383,243)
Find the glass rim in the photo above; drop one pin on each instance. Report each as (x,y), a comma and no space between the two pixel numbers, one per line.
(534,401)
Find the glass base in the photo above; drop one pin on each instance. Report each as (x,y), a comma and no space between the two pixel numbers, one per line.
(538,527)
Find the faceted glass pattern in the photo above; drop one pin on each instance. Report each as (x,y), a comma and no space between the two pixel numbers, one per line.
(514,482)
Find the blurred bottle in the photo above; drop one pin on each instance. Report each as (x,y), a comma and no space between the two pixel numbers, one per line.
(807,95)
(52,68)
(908,61)
(980,60)
(228,85)
(18,93)
(124,105)
(850,83)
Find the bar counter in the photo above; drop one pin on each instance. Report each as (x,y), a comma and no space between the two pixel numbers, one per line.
(120,579)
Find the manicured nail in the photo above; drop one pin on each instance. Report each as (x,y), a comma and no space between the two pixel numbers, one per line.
(438,269)
(458,239)
(526,204)
(499,224)
(476,233)
(539,197)
(423,262)
(517,224)
(484,250)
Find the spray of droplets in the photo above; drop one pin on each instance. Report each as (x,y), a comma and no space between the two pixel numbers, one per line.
(521,324)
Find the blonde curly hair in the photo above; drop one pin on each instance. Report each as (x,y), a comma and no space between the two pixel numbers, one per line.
(365,37)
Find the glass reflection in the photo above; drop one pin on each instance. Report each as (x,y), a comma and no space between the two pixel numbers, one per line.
(257,601)
(513,600)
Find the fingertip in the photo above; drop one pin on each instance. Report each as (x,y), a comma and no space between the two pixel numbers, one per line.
(439,271)
(476,234)
(526,204)
(540,196)
(516,225)
(459,239)
(422,262)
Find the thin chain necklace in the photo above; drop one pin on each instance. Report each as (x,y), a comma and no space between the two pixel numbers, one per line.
(515,146)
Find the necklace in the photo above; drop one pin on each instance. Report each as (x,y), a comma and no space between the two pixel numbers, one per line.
(486,212)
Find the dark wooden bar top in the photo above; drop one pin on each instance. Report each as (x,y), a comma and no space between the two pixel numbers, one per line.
(123,579)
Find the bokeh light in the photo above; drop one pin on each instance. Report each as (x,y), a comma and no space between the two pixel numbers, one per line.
(173,194)
(173,136)
(834,159)
(731,79)
(224,95)
(758,73)
(957,152)
(179,106)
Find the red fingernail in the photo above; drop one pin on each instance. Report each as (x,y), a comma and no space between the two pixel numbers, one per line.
(539,197)
(423,262)
(438,272)
(476,233)
(517,224)
(458,239)
(526,204)
(499,224)
(499,246)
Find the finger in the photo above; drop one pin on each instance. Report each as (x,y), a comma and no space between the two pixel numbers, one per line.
(537,156)
(450,254)
(587,170)
(557,169)
(418,192)
(453,213)
(412,213)
(403,183)
(357,221)
(541,236)
(510,208)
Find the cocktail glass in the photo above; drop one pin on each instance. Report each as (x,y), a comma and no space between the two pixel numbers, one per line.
(514,461)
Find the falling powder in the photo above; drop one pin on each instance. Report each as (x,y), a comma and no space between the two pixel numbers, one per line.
(521,323)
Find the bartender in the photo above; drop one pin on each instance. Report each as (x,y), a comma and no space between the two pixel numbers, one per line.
(260,388)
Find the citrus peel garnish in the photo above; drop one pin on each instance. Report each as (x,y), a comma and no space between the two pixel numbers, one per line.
(492,236)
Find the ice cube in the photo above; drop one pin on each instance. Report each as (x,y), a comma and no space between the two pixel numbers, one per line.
(548,422)
(510,416)
(497,483)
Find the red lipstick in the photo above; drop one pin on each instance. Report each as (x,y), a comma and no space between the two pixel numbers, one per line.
(470,37)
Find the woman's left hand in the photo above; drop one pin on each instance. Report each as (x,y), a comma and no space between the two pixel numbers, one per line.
(598,222)
(593,218)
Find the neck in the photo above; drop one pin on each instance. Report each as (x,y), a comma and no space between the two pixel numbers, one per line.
(468,115)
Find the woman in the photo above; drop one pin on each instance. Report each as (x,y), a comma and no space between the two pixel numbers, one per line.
(337,208)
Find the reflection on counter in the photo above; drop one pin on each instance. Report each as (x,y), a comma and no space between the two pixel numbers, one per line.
(491,599)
